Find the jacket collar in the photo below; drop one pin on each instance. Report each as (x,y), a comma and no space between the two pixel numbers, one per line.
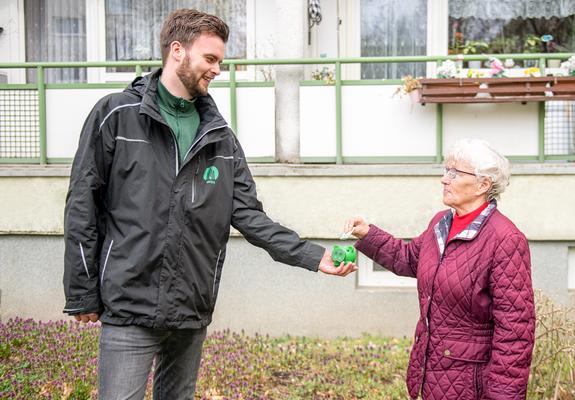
(147,88)
(442,228)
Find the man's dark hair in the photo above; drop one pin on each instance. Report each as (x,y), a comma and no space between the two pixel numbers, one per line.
(186,24)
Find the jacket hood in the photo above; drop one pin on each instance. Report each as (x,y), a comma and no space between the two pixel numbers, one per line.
(145,87)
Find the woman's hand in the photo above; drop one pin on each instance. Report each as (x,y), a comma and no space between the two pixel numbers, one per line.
(357,226)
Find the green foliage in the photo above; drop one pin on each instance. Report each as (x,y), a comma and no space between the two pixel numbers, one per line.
(553,365)
(533,44)
(58,360)
(505,45)
(474,47)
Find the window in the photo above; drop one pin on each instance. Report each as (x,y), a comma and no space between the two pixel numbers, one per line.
(114,30)
(133,27)
(56,31)
(371,274)
(511,26)
(393,28)
(521,26)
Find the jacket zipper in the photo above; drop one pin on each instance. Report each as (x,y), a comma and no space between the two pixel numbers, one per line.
(216,274)
(478,381)
(191,147)
(177,151)
(200,138)
(194,182)
(427,326)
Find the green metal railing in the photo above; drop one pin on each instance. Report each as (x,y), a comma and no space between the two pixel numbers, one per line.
(233,84)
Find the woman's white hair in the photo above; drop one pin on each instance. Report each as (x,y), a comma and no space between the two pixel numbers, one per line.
(485,161)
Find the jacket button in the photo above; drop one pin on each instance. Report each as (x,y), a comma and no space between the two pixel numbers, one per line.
(447,353)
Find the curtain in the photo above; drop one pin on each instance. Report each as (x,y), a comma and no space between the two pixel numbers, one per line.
(393,28)
(56,31)
(133,27)
(509,9)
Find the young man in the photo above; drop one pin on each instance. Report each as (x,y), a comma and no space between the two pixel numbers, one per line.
(157,181)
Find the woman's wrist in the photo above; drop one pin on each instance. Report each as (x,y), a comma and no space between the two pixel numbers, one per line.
(361,231)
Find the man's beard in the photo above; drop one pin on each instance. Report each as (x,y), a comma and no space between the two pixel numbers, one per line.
(191,84)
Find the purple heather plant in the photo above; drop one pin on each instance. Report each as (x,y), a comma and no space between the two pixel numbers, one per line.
(58,360)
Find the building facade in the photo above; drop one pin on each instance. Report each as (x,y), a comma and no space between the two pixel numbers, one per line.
(326,141)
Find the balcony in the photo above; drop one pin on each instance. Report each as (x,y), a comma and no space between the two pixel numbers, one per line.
(341,121)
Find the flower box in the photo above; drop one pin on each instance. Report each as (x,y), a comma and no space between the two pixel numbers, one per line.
(497,90)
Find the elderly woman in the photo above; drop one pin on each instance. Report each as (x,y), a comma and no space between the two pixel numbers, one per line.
(475,335)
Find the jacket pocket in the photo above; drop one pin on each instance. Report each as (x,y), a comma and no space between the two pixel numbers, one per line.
(215,283)
(106,255)
(475,352)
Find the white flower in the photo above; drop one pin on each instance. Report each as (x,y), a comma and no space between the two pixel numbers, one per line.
(448,69)
(569,64)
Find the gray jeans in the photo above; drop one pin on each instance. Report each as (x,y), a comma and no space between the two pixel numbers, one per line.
(126,356)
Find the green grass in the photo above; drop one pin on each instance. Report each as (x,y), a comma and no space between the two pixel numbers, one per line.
(58,360)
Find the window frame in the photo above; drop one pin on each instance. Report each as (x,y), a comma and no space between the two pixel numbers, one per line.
(437,34)
(368,278)
(96,33)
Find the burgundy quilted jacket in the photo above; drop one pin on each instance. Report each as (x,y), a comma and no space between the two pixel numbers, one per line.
(475,336)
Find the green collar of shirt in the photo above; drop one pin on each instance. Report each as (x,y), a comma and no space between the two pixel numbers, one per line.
(181,115)
(173,104)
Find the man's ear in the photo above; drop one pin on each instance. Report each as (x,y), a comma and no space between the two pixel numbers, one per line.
(177,51)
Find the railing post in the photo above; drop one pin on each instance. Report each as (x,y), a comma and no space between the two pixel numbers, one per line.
(42,113)
(439,133)
(542,66)
(233,99)
(138,70)
(541,132)
(338,128)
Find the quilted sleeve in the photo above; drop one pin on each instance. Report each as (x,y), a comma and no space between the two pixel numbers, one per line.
(514,321)
(399,257)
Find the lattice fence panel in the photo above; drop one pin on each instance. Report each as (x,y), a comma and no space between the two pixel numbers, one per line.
(560,128)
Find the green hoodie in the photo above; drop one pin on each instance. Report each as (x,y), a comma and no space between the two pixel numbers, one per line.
(181,115)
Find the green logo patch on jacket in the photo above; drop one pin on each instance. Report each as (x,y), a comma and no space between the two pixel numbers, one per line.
(211,174)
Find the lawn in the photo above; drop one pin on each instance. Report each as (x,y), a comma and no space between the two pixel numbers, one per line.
(56,360)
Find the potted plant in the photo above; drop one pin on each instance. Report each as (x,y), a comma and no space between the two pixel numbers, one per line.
(457,44)
(505,45)
(569,65)
(412,87)
(551,47)
(472,47)
(532,44)
(325,75)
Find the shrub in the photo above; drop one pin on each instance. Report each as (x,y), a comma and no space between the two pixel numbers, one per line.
(553,366)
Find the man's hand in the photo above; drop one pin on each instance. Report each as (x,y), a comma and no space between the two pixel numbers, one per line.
(85,318)
(326,266)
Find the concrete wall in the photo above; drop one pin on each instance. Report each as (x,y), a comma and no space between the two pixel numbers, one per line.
(316,200)
(259,295)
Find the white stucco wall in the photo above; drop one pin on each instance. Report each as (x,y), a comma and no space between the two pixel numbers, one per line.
(316,200)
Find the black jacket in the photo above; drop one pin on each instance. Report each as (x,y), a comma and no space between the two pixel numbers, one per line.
(145,237)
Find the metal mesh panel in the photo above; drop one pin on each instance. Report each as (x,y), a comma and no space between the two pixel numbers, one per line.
(560,127)
(19,127)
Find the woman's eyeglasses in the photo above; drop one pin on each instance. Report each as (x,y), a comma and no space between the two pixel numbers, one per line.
(452,173)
